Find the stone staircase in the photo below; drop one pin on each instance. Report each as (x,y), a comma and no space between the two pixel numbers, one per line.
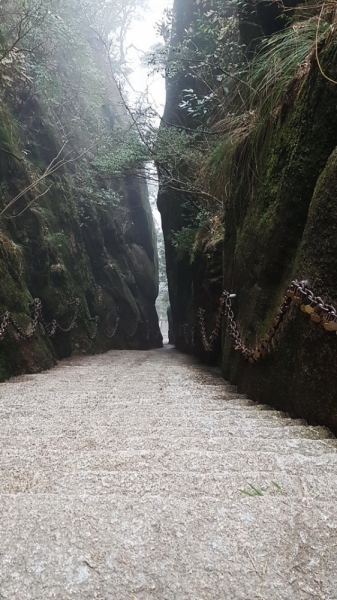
(141,475)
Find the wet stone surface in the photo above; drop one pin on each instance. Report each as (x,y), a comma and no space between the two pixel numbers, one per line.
(120,479)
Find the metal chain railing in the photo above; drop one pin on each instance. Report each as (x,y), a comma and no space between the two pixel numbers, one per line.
(28,334)
(193,332)
(134,331)
(183,333)
(109,336)
(224,308)
(97,327)
(95,321)
(298,292)
(5,323)
(53,327)
(7,320)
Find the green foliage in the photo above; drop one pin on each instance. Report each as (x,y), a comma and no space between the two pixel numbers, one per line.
(257,493)
(254,493)
(120,153)
(58,51)
(196,218)
(179,156)
(94,193)
(48,52)
(208,56)
(183,240)
(10,131)
(57,76)
(256,96)
(282,57)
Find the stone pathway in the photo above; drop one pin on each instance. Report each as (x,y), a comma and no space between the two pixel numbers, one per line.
(120,478)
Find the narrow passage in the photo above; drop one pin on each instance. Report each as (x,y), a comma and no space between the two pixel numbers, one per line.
(121,478)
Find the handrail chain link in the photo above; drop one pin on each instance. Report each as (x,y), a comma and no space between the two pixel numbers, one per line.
(50,328)
(297,292)
(109,336)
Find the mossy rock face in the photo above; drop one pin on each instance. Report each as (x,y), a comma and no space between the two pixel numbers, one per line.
(178,264)
(207,286)
(288,230)
(280,223)
(194,277)
(193,263)
(59,250)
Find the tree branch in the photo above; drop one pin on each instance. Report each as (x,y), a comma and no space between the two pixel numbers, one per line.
(11,154)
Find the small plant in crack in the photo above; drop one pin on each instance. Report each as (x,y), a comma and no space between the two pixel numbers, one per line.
(256,492)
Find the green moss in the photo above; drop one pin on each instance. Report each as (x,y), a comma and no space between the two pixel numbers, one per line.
(10,131)
(286,229)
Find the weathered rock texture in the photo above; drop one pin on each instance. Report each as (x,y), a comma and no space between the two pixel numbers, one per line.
(287,229)
(69,244)
(195,279)
(277,226)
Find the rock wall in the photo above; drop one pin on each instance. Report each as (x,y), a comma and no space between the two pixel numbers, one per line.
(70,243)
(276,226)
(194,278)
(286,230)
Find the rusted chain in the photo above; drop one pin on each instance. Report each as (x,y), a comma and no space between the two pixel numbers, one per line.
(5,323)
(109,336)
(51,328)
(54,326)
(95,321)
(147,330)
(193,332)
(298,293)
(30,331)
(25,335)
(97,327)
(225,307)
(183,333)
(188,334)
(134,331)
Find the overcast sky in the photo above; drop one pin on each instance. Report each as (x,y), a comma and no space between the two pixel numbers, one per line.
(144,35)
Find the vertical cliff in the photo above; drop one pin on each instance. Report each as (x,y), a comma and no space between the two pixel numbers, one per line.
(273,165)
(284,230)
(75,218)
(193,241)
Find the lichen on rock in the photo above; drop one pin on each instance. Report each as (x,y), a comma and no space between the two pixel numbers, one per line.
(73,224)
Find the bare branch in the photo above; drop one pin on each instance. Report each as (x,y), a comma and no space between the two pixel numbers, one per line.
(11,154)
(53,166)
